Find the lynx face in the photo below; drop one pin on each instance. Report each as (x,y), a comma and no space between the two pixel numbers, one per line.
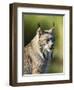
(46,40)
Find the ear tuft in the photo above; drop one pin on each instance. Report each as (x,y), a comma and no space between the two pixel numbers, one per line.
(53,24)
(39,25)
(39,30)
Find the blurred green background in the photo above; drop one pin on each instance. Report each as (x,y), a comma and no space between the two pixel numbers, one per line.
(46,21)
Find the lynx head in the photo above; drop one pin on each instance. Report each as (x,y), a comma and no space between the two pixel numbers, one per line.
(46,39)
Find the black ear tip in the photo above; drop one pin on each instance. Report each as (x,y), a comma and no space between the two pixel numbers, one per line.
(39,25)
(53,23)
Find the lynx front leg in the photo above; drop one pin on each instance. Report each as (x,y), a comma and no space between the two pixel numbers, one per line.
(36,69)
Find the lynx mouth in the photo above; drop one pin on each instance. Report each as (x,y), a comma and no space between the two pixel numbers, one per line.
(52,47)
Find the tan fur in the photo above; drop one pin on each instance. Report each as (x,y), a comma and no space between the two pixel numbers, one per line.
(34,61)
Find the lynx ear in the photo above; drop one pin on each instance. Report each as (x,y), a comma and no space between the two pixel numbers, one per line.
(50,30)
(39,31)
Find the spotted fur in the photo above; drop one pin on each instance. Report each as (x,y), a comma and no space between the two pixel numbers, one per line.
(37,54)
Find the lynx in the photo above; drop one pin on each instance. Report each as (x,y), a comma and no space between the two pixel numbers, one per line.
(38,53)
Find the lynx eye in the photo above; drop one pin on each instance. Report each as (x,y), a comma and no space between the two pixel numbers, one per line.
(48,40)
